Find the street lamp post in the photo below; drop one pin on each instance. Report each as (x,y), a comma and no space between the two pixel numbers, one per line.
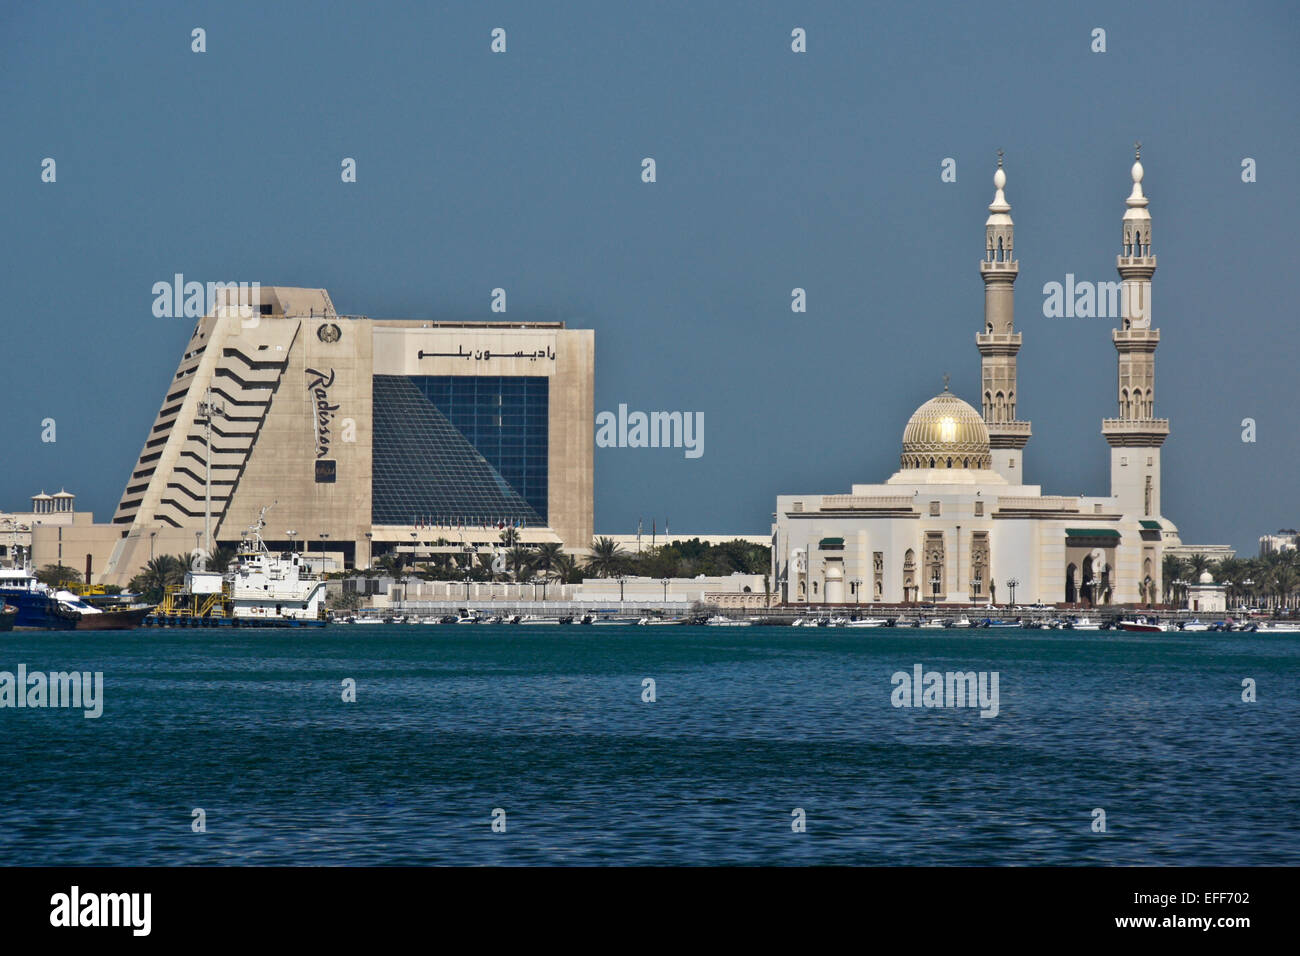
(621,579)
(934,587)
(206,412)
(1012,583)
(664,582)
(291,534)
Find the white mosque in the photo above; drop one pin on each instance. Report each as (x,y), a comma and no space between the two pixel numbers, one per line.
(956,524)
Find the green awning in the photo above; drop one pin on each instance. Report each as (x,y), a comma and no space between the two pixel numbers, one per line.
(1151,525)
(1091,533)
(831,543)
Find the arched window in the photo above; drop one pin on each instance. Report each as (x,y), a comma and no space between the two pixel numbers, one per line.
(999,248)
(949,462)
(931,462)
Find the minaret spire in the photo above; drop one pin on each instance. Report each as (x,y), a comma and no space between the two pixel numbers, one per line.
(999,342)
(1136,435)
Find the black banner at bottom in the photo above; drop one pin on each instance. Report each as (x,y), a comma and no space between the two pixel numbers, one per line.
(301,905)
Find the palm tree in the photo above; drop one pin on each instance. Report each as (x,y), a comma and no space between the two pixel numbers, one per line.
(606,557)
(1231,571)
(518,559)
(1171,569)
(221,557)
(546,556)
(566,566)
(156,575)
(1284,583)
(510,537)
(1198,564)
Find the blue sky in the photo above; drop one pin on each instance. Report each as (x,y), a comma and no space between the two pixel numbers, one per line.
(775,170)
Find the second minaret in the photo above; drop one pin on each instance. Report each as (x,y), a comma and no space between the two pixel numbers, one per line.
(999,342)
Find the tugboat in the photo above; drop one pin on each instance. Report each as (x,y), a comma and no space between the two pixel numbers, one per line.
(261,590)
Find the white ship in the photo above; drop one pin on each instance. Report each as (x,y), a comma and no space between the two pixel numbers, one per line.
(260,588)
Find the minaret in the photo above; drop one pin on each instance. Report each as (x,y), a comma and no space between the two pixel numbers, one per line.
(999,342)
(1136,435)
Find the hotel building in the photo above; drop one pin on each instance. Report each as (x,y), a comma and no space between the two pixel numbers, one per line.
(362,435)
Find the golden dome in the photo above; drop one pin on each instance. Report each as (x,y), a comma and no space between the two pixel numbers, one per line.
(945,432)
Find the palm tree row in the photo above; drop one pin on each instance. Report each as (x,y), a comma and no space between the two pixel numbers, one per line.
(549,562)
(1271,580)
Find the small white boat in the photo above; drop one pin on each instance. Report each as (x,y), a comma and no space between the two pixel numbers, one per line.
(1145,627)
(719,620)
(1196,625)
(1278,628)
(1085,624)
(533,619)
(962,621)
(932,625)
(657,621)
(867,622)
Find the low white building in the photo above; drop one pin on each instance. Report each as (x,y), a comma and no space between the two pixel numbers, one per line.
(1206,596)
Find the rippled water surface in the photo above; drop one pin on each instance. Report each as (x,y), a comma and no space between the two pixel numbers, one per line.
(549,725)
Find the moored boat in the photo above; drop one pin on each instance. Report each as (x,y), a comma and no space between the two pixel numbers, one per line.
(39,607)
(1145,627)
(260,589)
(1275,627)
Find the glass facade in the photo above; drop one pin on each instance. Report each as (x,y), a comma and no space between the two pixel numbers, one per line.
(449,449)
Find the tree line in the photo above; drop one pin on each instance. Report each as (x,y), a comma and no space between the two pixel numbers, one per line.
(1271,580)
